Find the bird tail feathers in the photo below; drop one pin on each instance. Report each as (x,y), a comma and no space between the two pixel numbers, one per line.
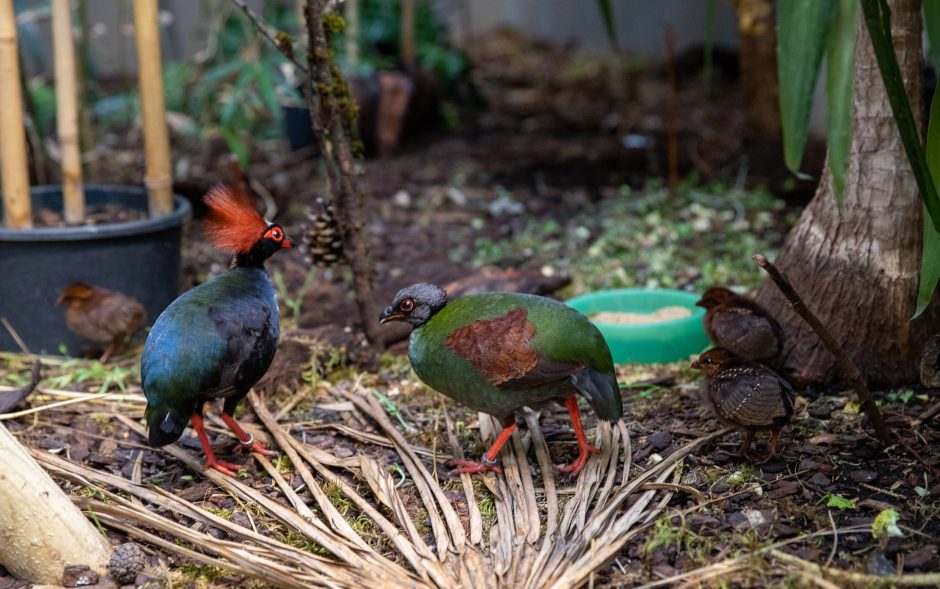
(165,427)
(601,391)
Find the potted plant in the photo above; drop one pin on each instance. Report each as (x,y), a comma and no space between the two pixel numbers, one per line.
(139,257)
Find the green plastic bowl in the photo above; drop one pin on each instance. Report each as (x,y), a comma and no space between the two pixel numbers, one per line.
(664,341)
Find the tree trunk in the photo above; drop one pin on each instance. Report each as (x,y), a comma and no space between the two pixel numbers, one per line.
(757,56)
(857,269)
(41,531)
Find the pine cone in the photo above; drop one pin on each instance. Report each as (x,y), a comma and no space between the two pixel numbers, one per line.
(324,246)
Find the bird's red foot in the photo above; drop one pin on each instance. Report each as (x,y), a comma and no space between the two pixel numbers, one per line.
(471,466)
(229,468)
(256,447)
(574,469)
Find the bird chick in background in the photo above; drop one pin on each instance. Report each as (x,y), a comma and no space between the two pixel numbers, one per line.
(930,363)
(497,352)
(746,395)
(101,315)
(740,325)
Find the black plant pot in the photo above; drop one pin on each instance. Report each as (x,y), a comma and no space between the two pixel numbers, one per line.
(139,258)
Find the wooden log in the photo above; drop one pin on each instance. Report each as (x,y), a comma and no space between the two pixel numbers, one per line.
(66,99)
(17,209)
(41,531)
(159,179)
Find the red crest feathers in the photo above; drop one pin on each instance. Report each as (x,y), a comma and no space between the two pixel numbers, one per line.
(233,225)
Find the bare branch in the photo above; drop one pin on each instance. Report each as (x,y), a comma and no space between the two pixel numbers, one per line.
(849,370)
(333,113)
(279,39)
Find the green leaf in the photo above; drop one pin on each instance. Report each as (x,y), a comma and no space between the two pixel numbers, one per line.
(236,146)
(607,15)
(266,87)
(878,21)
(932,24)
(802,30)
(840,77)
(837,501)
(233,101)
(930,256)
(886,525)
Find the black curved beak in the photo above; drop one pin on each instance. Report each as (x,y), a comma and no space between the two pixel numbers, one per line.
(389,314)
(699,303)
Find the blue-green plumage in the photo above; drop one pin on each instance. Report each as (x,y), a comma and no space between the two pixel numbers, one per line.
(216,340)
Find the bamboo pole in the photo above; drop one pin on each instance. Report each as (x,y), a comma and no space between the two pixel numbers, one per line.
(408,32)
(66,100)
(42,531)
(352,35)
(158,178)
(17,209)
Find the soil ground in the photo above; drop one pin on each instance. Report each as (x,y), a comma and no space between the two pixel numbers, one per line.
(552,188)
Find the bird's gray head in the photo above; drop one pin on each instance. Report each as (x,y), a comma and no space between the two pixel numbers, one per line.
(415,304)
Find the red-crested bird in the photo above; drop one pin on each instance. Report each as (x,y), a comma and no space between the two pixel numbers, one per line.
(218,339)
(746,395)
(101,315)
(740,325)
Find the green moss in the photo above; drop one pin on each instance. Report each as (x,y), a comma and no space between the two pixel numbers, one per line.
(667,533)
(203,572)
(339,500)
(285,43)
(220,512)
(294,538)
(333,23)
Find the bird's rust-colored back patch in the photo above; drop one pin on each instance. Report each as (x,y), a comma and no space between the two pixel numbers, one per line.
(499,348)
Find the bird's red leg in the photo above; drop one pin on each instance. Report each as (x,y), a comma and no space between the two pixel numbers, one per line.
(107,353)
(488,462)
(585,449)
(746,442)
(211,461)
(774,434)
(246,440)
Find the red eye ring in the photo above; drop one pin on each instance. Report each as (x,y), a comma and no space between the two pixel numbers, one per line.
(275,233)
(407,306)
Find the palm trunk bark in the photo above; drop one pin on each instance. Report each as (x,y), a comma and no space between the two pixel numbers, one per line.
(857,268)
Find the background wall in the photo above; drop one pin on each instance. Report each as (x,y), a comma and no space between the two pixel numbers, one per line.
(640,26)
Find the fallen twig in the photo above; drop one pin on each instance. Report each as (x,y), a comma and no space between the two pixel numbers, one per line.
(860,579)
(9,399)
(916,455)
(849,370)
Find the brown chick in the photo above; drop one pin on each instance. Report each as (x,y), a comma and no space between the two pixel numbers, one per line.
(747,395)
(101,315)
(740,325)
(930,363)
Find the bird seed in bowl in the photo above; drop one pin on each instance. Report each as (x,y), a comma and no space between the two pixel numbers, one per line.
(662,314)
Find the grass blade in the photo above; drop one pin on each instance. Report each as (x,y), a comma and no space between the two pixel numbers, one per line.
(930,257)
(932,25)
(840,77)
(607,15)
(802,29)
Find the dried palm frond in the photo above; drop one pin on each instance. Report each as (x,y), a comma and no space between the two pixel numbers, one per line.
(541,536)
